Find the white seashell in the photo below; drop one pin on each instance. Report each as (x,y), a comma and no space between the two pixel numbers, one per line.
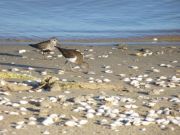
(44,73)
(143,129)
(145,123)
(162,126)
(70,123)
(76,67)
(90,50)
(1,117)
(116,111)
(91,78)
(106,80)
(23,109)
(162,65)
(46,132)
(53,99)
(155,39)
(32,123)
(64,80)
(20,123)
(49,56)
(122,75)
(134,67)
(108,71)
(15,105)
(59,56)
(18,126)
(91,81)
(21,51)
(83,122)
(23,102)
(175,61)
(32,119)
(91,73)
(149,80)
(13,113)
(156,70)
(48,121)
(126,80)
(112,115)
(61,72)
(14,69)
(89,115)
(98,80)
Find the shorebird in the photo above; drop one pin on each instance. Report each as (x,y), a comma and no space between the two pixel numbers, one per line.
(73,56)
(46,46)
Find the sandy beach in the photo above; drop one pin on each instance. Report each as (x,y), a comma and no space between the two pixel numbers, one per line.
(146,102)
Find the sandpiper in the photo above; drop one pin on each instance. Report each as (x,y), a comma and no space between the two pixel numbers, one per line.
(46,46)
(73,56)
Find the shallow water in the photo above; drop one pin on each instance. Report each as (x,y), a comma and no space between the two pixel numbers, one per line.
(88,18)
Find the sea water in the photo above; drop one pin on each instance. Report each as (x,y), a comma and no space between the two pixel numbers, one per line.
(88,18)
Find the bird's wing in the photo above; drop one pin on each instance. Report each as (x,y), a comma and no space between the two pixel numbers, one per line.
(68,53)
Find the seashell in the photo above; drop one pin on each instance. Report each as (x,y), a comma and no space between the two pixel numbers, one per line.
(70,123)
(98,80)
(143,129)
(126,80)
(91,81)
(162,126)
(15,105)
(59,56)
(32,123)
(61,72)
(23,102)
(14,69)
(105,56)
(122,75)
(89,115)
(48,121)
(91,111)
(21,51)
(106,80)
(44,73)
(90,50)
(91,73)
(46,132)
(49,56)
(162,65)
(108,71)
(18,126)
(134,67)
(13,113)
(90,78)
(83,122)
(156,70)
(53,99)
(1,117)
(149,79)
(23,109)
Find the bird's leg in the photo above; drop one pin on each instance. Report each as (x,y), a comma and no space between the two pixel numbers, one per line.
(43,53)
(66,62)
(71,68)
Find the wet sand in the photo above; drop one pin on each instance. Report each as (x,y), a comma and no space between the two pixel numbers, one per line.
(144,72)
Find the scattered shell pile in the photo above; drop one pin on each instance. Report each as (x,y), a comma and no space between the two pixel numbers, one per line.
(105,110)
(144,81)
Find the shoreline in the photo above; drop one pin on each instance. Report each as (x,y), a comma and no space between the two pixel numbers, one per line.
(161,38)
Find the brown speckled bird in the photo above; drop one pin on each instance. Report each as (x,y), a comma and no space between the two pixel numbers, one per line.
(73,56)
(46,46)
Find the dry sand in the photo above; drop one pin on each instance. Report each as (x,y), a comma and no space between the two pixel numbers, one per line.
(116,63)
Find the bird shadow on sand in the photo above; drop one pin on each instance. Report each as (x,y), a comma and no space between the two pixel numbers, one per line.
(10,54)
(37,68)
